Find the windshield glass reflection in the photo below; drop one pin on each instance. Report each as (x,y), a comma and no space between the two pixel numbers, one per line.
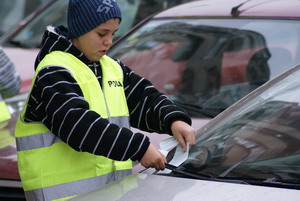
(209,63)
(133,11)
(13,11)
(259,140)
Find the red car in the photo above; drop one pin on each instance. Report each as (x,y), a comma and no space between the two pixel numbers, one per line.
(205,55)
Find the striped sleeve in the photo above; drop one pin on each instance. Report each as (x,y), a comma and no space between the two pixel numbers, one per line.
(150,110)
(58,102)
(10,80)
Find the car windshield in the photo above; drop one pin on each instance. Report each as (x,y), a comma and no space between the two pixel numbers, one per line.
(205,65)
(13,11)
(133,11)
(56,14)
(257,139)
(31,35)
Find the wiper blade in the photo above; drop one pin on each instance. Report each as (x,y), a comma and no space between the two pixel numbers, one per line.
(180,173)
(276,182)
(261,182)
(176,171)
(170,167)
(21,44)
(195,110)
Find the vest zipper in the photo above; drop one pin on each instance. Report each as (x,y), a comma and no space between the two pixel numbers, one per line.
(106,106)
(107,110)
(96,74)
(95,68)
(109,119)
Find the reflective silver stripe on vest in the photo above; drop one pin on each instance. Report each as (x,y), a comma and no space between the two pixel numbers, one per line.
(75,187)
(36,141)
(47,139)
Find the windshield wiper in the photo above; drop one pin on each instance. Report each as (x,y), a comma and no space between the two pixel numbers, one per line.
(262,182)
(235,12)
(240,180)
(195,110)
(273,182)
(285,183)
(179,173)
(21,44)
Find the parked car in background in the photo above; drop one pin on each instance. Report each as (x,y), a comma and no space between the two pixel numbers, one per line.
(22,44)
(205,55)
(12,12)
(249,152)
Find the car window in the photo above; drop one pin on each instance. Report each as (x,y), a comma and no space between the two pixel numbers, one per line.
(258,139)
(133,11)
(13,11)
(210,63)
(56,15)
(31,35)
(129,11)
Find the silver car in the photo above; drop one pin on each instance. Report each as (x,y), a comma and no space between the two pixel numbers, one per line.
(251,151)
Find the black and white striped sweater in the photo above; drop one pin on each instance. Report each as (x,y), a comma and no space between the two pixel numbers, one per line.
(57,101)
(10,81)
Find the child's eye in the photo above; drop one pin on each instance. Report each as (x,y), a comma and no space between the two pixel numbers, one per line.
(100,34)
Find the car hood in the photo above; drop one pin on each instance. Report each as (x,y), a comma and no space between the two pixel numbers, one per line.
(146,187)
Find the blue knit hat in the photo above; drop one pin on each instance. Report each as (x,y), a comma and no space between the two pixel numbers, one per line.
(85,15)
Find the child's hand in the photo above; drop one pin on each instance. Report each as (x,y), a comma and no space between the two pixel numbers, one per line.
(153,158)
(184,133)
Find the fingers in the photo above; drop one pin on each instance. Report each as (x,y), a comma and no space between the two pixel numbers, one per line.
(190,137)
(153,158)
(182,142)
(184,133)
(159,163)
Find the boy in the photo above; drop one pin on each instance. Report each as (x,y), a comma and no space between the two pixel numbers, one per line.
(74,135)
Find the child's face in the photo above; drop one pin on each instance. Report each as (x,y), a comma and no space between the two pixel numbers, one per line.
(96,43)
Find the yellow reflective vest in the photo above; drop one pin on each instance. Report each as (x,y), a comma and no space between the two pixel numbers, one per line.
(52,170)
(4,113)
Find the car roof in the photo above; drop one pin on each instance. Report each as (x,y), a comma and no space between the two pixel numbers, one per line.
(224,8)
